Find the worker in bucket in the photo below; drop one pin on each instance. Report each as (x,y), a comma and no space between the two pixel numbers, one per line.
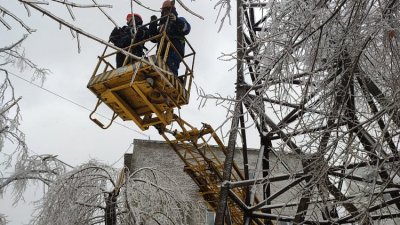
(122,37)
(176,28)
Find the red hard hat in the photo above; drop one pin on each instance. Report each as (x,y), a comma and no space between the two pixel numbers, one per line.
(129,17)
(167,4)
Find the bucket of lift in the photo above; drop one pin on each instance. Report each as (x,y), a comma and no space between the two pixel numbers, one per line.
(145,91)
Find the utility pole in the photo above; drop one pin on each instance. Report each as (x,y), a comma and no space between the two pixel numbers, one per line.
(223,200)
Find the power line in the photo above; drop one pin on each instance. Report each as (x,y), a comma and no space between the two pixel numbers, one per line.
(77,104)
(113,164)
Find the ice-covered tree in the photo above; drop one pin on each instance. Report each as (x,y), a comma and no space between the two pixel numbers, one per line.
(319,80)
(18,167)
(88,191)
(94,193)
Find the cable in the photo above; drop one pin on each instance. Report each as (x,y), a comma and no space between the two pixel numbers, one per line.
(77,104)
(131,144)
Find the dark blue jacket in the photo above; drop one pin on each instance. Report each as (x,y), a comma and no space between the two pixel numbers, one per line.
(176,31)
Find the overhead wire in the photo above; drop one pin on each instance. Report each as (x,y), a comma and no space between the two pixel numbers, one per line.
(77,104)
(119,159)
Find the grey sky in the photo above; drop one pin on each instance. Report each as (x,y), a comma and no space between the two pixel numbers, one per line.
(55,126)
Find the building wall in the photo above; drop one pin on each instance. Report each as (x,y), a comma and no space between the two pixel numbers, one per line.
(159,155)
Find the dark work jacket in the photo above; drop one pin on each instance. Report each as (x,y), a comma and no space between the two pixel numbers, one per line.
(176,31)
(122,37)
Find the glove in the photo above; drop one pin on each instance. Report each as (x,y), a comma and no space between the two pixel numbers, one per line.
(132,32)
(153,17)
(172,17)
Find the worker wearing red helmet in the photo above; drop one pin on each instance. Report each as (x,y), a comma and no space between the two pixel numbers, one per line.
(177,28)
(122,37)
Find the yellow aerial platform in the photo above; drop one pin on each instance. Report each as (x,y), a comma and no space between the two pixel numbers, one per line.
(145,91)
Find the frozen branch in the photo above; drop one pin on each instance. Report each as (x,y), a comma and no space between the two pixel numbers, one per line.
(224,11)
(3,10)
(23,176)
(188,10)
(108,17)
(144,6)
(10,106)
(86,34)
(73,4)
(14,45)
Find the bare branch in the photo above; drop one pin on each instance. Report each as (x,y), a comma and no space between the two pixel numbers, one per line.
(72,4)
(146,7)
(10,106)
(14,45)
(188,10)
(108,17)
(2,9)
